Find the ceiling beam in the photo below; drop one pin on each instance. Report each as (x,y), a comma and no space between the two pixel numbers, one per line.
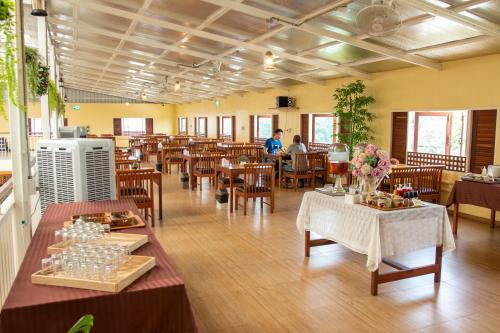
(219,38)
(321,31)
(487,28)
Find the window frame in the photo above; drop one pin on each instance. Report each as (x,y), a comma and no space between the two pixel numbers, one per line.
(198,127)
(181,120)
(447,114)
(257,136)
(313,126)
(32,122)
(221,134)
(132,133)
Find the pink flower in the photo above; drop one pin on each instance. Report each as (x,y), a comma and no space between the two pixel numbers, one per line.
(377,172)
(356,172)
(370,150)
(382,154)
(384,164)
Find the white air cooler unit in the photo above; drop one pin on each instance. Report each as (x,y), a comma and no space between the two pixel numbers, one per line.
(67,132)
(75,170)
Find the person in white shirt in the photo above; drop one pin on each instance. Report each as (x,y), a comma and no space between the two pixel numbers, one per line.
(296,147)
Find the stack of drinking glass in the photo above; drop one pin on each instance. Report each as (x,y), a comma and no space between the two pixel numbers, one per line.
(82,232)
(88,261)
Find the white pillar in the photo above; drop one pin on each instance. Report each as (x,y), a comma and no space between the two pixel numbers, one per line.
(21,172)
(44,100)
(52,61)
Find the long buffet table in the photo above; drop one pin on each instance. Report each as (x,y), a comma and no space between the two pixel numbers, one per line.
(156,302)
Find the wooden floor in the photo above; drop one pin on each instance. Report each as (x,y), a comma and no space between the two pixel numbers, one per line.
(249,274)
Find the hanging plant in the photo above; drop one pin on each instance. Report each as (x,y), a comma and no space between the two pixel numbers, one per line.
(56,102)
(43,80)
(8,78)
(37,75)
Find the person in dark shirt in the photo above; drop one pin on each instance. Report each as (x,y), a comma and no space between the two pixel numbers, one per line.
(273,145)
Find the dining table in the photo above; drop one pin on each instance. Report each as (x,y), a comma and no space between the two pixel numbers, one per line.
(231,171)
(155,302)
(280,157)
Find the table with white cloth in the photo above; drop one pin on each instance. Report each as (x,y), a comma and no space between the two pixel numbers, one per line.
(376,233)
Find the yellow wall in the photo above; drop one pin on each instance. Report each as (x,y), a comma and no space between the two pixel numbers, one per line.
(465,84)
(100,117)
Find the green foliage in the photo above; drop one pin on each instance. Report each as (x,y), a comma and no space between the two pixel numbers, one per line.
(8,78)
(352,112)
(37,75)
(56,102)
(84,324)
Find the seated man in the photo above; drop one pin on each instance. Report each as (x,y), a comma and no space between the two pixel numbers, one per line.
(273,145)
(296,147)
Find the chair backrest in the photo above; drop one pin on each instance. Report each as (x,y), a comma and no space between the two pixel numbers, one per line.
(121,156)
(173,153)
(135,184)
(300,163)
(150,145)
(233,159)
(316,160)
(403,175)
(125,164)
(206,164)
(259,178)
(318,146)
(429,179)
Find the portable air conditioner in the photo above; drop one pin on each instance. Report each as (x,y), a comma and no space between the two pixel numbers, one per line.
(75,170)
(67,132)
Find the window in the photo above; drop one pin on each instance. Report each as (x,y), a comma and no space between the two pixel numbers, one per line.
(442,133)
(201,126)
(183,125)
(322,128)
(35,126)
(227,127)
(264,127)
(133,126)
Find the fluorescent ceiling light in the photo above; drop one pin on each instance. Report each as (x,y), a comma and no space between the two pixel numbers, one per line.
(136,63)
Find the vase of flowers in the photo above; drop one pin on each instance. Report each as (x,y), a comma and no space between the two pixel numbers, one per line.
(370,166)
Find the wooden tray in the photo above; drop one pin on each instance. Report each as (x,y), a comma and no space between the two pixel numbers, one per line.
(482,181)
(127,219)
(134,269)
(388,209)
(132,241)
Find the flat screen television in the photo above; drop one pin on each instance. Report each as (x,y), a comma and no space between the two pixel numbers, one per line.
(285,101)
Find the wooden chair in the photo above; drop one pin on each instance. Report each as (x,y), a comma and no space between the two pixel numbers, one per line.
(224,181)
(205,167)
(149,147)
(125,165)
(121,156)
(258,182)
(300,170)
(429,182)
(171,156)
(317,164)
(137,185)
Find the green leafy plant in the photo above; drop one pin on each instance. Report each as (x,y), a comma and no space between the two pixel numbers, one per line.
(352,112)
(8,78)
(56,102)
(84,324)
(37,75)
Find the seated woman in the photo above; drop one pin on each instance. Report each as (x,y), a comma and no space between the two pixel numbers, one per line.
(296,147)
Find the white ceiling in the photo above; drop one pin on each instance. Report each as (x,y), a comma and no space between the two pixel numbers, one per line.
(126,48)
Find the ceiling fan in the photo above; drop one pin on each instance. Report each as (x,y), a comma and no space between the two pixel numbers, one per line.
(379,19)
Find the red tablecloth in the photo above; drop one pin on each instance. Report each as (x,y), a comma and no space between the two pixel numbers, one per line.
(156,302)
(474,193)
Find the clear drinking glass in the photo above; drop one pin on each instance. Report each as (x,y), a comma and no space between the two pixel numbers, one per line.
(47,265)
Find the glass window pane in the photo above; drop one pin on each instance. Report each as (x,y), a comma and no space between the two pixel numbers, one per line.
(432,134)
(201,126)
(226,126)
(132,126)
(323,129)
(265,127)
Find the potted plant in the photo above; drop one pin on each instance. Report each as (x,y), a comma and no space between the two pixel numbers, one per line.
(352,113)
(37,75)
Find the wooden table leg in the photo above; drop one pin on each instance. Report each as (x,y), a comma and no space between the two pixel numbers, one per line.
(374,283)
(438,261)
(160,197)
(307,243)
(280,161)
(230,192)
(455,218)
(492,220)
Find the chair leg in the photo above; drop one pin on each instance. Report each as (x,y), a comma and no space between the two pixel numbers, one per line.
(235,203)
(245,200)
(261,202)
(153,215)
(201,182)
(296,181)
(272,202)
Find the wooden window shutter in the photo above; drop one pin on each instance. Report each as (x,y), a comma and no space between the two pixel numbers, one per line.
(178,125)
(304,129)
(276,121)
(195,125)
(218,127)
(399,136)
(65,122)
(117,126)
(30,131)
(149,126)
(482,148)
(251,128)
(233,128)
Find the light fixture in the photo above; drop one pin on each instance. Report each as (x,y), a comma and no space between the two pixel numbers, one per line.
(65,98)
(38,8)
(177,85)
(127,103)
(61,82)
(268,61)
(144,97)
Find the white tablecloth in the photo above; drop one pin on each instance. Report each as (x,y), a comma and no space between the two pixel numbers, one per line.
(374,232)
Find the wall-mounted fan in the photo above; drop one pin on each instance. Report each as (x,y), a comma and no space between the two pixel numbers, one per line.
(379,19)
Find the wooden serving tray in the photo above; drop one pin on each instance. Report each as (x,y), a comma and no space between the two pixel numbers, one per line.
(118,220)
(132,241)
(482,181)
(388,209)
(134,269)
